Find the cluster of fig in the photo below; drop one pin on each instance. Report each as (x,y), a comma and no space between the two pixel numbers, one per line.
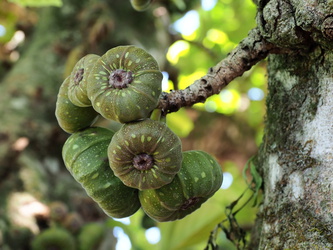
(89,237)
(67,230)
(142,164)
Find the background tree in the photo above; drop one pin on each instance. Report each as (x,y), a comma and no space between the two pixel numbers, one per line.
(294,159)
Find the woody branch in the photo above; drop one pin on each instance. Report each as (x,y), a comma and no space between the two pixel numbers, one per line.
(251,50)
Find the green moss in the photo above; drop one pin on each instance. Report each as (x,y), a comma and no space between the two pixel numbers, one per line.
(285,105)
(294,96)
(305,226)
(295,24)
(91,236)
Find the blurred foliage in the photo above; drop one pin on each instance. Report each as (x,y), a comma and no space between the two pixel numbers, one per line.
(38,3)
(184,56)
(221,29)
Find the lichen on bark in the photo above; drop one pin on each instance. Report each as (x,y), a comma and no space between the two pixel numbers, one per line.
(296,212)
(296,23)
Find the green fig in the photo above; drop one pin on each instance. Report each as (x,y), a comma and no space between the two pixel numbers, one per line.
(85,156)
(58,211)
(77,89)
(70,117)
(91,236)
(53,238)
(145,154)
(125,84)
(147,222)
(198,179)
(73,222)
(140,5)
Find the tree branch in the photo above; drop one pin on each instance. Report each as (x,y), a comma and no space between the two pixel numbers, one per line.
(251,50)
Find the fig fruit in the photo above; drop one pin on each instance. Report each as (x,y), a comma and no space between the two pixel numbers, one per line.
(198,179)
(54,238)
(77,89)
(70,117)
(91,236)
(140,5)
(85,156)
(125,84)
(145,154)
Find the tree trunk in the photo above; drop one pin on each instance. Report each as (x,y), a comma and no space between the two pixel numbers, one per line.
(296,157)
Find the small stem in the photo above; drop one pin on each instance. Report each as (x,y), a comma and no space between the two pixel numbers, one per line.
(156,115)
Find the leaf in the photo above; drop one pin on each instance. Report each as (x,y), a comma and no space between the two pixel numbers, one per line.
(37,3)
(256,178)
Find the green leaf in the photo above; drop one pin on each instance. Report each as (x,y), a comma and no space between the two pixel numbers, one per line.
(256,178)
(246,167)
(38,3)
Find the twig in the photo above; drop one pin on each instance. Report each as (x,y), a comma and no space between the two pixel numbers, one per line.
(251,50)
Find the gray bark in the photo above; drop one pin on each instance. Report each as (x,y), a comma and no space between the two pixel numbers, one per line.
(296,157)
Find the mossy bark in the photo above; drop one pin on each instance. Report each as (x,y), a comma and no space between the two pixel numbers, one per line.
(296,157)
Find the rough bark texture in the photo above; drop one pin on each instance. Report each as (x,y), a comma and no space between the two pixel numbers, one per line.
(296,158)
(251,50)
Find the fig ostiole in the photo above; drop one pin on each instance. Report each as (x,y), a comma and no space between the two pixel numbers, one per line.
(85,156)
(145,154)
(77,89)
(198,179)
